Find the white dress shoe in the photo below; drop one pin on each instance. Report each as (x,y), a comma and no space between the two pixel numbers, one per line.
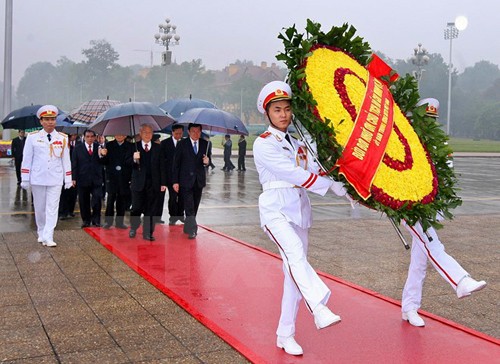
(413,318)
(323,317)
(289,345)
(49,243)
(40,240)
(468,285)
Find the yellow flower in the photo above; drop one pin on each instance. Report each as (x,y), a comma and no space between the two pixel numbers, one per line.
(338,84)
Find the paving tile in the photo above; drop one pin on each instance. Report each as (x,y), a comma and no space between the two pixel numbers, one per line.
(108,355)
(81,340)
(18,316)
(184,359)
(25,342)
(154,349)
(25,350)
(48,359)
(223,357)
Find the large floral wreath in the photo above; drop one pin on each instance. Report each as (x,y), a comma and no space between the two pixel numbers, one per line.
(329,74)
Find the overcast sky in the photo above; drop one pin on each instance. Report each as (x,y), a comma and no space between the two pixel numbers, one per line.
(222,31)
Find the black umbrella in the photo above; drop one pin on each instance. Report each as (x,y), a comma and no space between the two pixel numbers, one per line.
(23,118)
(214,120)
(177,107)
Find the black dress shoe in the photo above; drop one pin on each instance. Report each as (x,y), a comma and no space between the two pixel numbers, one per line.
(131,233)
(121,226)
(149,237)
(192,236)
(96,224)
(85,225)
(161,222)
(106,226)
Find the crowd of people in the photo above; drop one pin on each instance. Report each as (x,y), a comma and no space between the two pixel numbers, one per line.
(129,175)
(138,175)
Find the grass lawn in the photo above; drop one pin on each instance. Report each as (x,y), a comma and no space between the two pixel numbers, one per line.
(457,144)
(471,145)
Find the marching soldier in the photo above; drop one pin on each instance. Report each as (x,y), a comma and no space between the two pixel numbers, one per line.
(46,167)
(426,247)
(287,172)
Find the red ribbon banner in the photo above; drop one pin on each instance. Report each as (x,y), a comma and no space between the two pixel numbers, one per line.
(366,145)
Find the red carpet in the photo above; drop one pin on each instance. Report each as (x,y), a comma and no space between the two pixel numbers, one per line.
(235,290)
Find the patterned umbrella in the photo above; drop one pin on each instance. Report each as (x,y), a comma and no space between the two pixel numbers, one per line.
(90,110)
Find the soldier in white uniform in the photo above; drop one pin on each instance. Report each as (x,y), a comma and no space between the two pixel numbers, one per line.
(426,246)
(46,167)
(287,172)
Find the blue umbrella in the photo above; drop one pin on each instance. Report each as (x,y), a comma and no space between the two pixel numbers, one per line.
(177,107)
(126,119)
(64,125)
(214,120)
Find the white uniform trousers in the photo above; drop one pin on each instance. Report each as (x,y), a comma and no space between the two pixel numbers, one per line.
(300,280)
(423,250)
(46,203)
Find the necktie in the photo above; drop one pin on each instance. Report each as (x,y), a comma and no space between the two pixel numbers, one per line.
(49,137)
(90,150)
(146,148)
(287,137)
(195,147)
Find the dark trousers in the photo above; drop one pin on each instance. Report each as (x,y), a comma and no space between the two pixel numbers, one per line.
(120,199)
(17,163)
(144,202)
(175,204)
(90,197)
(191,198)
(228,165)
(241,163)
(160,201)
(67,201)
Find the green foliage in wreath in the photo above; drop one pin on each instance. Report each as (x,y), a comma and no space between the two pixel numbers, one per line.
(297,47)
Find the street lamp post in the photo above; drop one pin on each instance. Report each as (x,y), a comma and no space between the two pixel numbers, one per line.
(167,37)
(420,58)
(451,32)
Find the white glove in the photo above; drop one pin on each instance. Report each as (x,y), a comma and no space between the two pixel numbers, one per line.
(338,188)
(68,185)
(25,185)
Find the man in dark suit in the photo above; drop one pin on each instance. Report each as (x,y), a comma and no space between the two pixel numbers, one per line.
(175,203)
(189,175)
(69,195)
(116,158)
(148,180)
(17,147)
(88,179)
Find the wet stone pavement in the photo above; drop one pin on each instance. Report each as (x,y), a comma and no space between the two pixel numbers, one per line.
(77,303)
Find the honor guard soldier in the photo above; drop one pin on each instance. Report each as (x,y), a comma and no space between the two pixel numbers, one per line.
(287,171)
(426,247)
(46,167)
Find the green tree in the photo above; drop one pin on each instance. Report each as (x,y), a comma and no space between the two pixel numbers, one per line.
(38,84)
(487,124)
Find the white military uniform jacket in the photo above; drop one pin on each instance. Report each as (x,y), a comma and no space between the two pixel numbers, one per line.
(46,163)
(285,172)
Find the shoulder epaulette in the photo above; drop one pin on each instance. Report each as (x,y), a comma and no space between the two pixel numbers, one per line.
(33,132)
(63,134)
(265,134)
